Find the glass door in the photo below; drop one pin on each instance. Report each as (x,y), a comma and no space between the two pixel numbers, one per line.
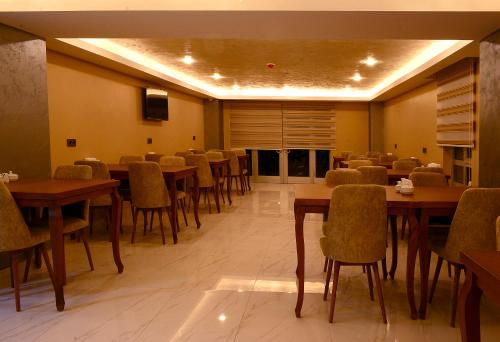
(267,166)
(297,166)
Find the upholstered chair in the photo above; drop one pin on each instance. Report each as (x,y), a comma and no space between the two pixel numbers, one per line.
(374,161)
(205,179)
(354,164)
(236,172)
(372,154)
(428,169)
(181,185)
(342,176)
(197,151)
(387,158)
(16,238)
(404,164)
(356,235)
(244,168)
(373,175)
(183,153)
(154,157)
(472,227)
(76,216)
(345,154)
(129,159)
(149,194)
(353,156)
(99,171)
(428,179)
(213,155)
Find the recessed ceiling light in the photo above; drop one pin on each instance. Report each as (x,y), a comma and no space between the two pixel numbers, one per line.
(187,59)
(216,76)
(236,87)
(370,61)
(357,77)
(222,317)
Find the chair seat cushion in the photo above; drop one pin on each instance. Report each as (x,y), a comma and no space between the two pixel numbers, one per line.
(73,224)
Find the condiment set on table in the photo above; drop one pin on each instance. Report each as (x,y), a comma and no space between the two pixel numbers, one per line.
(8,177)
(405,186)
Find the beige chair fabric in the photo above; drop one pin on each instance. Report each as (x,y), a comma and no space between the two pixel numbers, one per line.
(212,155)
(428,169)
(182,153)
(99,171)
(342,176)
(428,179)
(373,175)
(147,186)
(239,151)
(353,156)
(73,172)
(233,162)
(374,161)
(357,224)
(373,154)
(172,161)
(498,233)
(204,170)
(129,159)
(404,164)
(387,158)
(473,225)
(153,157)
(354,164)
(195,151)
(345,154)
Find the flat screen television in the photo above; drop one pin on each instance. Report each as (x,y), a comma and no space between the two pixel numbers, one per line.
(155,104)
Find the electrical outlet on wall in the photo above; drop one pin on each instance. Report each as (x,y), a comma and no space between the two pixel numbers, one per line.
(149,141)
(194,137)
(396,146)
(71,142)
(424,150)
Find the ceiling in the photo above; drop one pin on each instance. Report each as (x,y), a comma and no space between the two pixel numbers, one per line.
(316,52)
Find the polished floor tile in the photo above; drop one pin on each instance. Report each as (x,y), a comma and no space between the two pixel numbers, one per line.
(232,280)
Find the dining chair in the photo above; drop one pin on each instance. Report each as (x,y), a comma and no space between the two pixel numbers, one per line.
(205,179)
(16,238)
(345,154)
(342,176)
(197,151)
(124,188)
(182,153)
(244,168)
(373,175)
(76,216)
(236,172)
(356,235)
(124,160)
(214,155)
(372,154)
(353,156)
(99,171)
(181,188)
(149,194)
(354,164)
(404,164)
(428,169)
(472,227)
(153,157)
(387,158)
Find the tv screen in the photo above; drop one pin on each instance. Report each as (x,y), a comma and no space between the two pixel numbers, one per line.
(155,104)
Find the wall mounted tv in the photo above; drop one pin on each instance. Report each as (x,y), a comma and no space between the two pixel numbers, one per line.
(155,104)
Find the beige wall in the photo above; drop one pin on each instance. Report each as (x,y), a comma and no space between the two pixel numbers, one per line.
(410,122)
(102,110)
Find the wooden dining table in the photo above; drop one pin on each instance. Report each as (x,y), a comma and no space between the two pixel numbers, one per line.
(53,194)
(217,166)
(171,174)
(424,202)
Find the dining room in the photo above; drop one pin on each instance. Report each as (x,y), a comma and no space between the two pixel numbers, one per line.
(236,171)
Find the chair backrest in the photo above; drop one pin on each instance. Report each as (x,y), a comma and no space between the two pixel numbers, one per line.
(233,161)
(153,157)
(195,151)
(211,155)
(172,161)
(147,185)
(373,175)
(354,164)
(353,156)
(99,169)
(357,223)
(129,159)
(83,172)
(428,179)
(342,176)
(387,158)
(345,154)
(14,233)
(182,153)
(372,154)
(428,169)
(374,161)
(204,171)
(473,225)
(404,164)
(239,151)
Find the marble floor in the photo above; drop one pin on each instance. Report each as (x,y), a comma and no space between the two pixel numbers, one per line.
(232,280)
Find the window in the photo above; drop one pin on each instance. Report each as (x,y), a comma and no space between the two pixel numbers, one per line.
(462,166)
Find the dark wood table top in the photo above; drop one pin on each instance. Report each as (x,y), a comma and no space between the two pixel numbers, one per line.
(423,197)
(53,189)
(120,171)
(483,263)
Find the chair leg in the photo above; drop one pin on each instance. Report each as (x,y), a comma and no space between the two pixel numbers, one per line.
(336,272)
(328,276)
(370,281)
(435,279)
(454,300)
(170,218)
(364,269)
(221,191)
(183,208)
(132,211)
(85,240)
(449,269)
(15,278)
(121,216)
(325,265)
(134,216)
(48,264)
(29,255)
(403,226)
(379,291)
(151,221)
(160,212)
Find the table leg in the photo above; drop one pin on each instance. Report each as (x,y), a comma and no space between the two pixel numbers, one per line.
(115,229)
(248,174)
(228,182)
(425,259)
(173,206)
(196,198)
(413,242)
(57,242)
(468,306)
(394,245)
(216,188)
(299,240)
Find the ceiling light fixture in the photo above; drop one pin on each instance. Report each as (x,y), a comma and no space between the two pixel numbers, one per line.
(187,60)
(216,76)
(357,77)
(370,61)
(236,87)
